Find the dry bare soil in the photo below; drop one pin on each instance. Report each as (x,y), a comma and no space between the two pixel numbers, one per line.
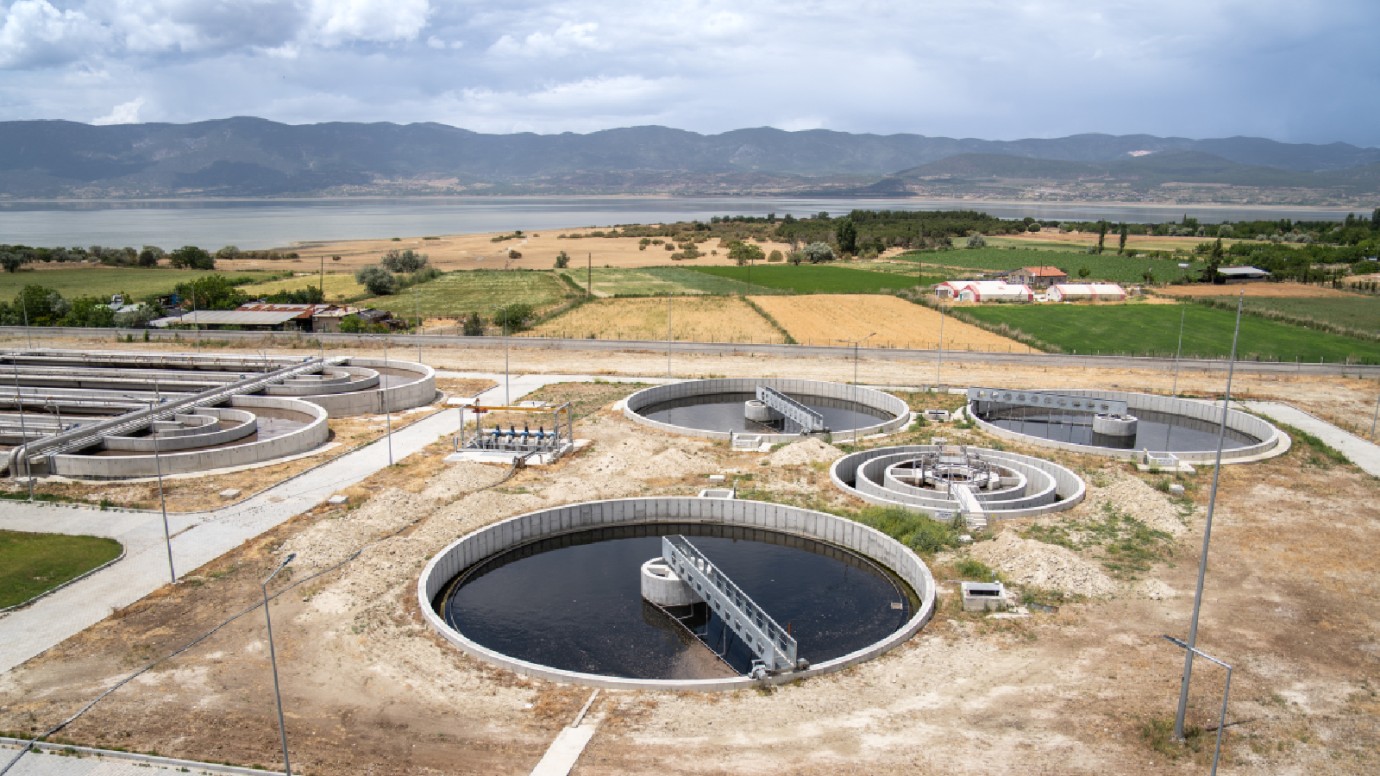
(696,319)
(1293,602)
(1266,290)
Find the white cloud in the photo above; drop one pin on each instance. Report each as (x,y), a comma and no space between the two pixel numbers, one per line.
(566,39)
(36,34)
(124,113)
(334,22)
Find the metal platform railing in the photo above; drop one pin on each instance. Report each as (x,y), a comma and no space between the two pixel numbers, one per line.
(808,419)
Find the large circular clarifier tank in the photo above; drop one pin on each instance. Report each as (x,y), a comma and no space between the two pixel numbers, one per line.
(1187,428)
(724,408)
(559,593)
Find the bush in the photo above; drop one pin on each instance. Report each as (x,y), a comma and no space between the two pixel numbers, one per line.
(513,317)
(818,253)
(563,259)
(377,280)
(977,241)
(774,256)
(405,262)
(474,325)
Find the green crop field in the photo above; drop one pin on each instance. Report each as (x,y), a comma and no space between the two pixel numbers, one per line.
(1109,267)
(816,278)
(1153,329)
(1356,315)
(32,563)
(480,291)
(102,282)
(660,281)
(339,286)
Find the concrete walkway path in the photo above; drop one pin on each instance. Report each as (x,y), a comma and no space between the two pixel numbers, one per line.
(198,537)
(1360,452)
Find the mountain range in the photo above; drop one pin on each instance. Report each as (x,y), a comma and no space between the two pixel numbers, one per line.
(251,157)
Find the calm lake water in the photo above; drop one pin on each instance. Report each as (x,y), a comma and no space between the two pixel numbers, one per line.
(278,223)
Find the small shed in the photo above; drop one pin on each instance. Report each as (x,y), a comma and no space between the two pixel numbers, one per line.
(1086,292)
(1242,274)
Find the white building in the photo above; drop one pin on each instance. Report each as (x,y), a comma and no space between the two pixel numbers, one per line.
(1086,292)
(984,291)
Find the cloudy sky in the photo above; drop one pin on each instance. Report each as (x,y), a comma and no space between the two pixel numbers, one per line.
(997,69)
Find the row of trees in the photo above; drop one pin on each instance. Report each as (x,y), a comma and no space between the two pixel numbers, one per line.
(13,257)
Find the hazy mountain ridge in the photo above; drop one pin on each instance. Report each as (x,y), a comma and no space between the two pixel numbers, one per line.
(255,157)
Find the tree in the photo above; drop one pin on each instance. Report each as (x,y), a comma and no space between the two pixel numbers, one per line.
(88,311)
(1101,235)
(228,252)
(1148,276)
(149,256)
(742,253)
(1084,272)
(513,254)
(474,325)
(213,292)
(818,253)
(11,261)
(403,262)
(1121,240)
(137,318)
(1033,226)
(377,280)
(513,317)
(977,241)
(563,259)
(794,257)
(191,257)
(847,235)
(41,305)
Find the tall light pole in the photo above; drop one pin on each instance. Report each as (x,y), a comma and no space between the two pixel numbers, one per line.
(1191,645)
(273,660)
(162,500)
(383,394)
(1178,351)
(939,362)
(28,335)
(856,343)
(668,336)
(417,313)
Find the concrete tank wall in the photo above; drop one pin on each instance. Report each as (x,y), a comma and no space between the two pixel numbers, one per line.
(877,400)
(1273,441)
(246,424)
(530,527)
(414,393)
(308,437)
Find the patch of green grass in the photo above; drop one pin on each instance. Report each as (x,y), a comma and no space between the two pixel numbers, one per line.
(480,291)
(659,281)
(1353,316)
(1158,734)
(1154,330)
(1315,452)
(916,531)
(31,564)
(1108,266)
(1126,546)
(815,278)
(102,282)
(971,568)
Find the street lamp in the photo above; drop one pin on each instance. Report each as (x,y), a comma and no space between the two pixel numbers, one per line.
(387,410)
(162,498)
(856,343)
(273,659)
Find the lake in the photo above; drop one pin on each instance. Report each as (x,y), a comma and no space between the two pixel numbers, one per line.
(278,223)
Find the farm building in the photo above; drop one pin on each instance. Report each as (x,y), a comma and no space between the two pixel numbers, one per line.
(984,291)
(1038,277)
(1242,274)
(1086,292)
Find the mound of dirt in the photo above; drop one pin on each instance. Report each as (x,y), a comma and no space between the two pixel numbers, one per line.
(1029,562)
(807,451)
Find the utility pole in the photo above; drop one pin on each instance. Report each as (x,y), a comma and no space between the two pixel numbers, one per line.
(589,274)
(1177,352)
(387,410)
(668,336)
(273,660)
(1191,645)
(939,363)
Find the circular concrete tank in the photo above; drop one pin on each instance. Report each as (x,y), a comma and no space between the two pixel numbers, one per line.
(726,408)
(1186,428)
(788,528)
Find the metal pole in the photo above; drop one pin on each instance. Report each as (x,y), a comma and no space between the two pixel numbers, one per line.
(1226,694)
(668,336)
(162,500)
(939,364)
(855,361)
(273,660)
(387,411)
(1373,416)
(507,379)
(23,430)
(417,311)
(1192,642)
(323,278)
(28,335)
(589,274)
(1179,350)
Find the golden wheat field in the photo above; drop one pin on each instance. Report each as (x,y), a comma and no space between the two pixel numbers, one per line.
(693,319)
(826,319)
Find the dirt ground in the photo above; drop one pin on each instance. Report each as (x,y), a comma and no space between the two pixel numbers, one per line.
(825,319)
(1293,602)
(693,319)
(480,251)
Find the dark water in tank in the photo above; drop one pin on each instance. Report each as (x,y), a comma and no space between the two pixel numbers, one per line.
(724,412)
(574,602)
(1155,430)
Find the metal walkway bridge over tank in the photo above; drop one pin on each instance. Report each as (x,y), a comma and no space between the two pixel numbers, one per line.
(809,420)
(773,646)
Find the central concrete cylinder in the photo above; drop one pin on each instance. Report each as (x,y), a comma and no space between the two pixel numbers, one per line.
(1114,425)
(661,586)
(758,411)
